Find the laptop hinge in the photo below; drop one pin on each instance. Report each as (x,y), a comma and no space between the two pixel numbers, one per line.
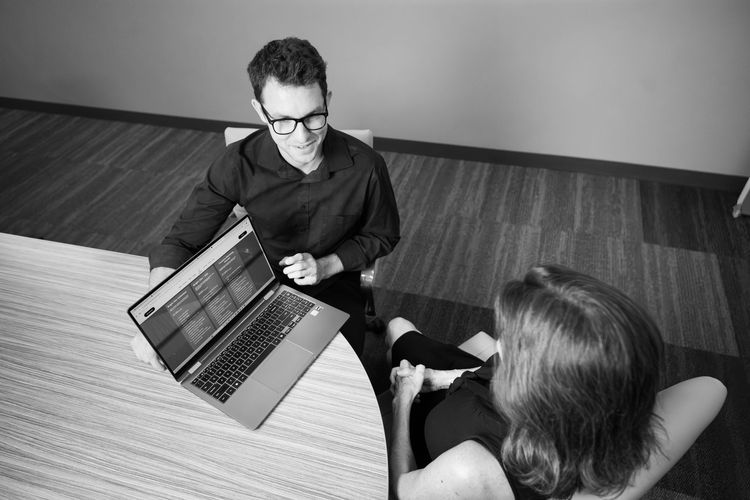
(192,369)
(269,294)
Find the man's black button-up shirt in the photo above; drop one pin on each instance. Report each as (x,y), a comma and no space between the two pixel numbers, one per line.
(346,206)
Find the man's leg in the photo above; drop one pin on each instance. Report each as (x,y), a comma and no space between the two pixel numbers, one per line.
(346,295)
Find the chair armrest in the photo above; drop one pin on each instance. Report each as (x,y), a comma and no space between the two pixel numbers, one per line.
(480,345)
(686,409)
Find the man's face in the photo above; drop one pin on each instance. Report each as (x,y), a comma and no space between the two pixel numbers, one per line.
(302,148)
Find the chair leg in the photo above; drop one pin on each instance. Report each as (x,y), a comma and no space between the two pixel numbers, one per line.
(375,325)
(372,322)
(369,302)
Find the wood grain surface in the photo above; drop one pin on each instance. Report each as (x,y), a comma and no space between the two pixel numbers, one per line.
(82,418)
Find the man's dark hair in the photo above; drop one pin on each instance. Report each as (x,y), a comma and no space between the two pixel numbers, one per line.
(291,61)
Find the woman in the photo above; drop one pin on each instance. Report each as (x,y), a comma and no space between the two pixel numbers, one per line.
(565,405)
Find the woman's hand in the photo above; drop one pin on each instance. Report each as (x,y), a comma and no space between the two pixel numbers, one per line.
(406,382)
(433,380)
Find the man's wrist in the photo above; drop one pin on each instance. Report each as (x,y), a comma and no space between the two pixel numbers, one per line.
(330,265)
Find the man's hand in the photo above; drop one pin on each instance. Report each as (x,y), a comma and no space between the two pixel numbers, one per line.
(304,269)
(144,352)
(157,275)
(142,349)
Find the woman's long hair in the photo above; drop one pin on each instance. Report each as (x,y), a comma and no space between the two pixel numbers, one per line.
(577,383)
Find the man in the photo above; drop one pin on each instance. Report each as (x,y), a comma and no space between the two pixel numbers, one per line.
(321,201)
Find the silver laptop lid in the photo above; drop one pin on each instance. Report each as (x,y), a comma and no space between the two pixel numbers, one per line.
(184,314)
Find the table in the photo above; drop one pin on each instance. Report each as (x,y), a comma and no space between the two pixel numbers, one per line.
(82,418)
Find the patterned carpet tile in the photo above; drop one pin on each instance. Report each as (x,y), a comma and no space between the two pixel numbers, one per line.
(705,220)
(715,467)
(19,128)
(735,274)
(74,235)
(456,259)
(518,195)
(146,148)
(25,180)
(684,291)
(470,260)
(664,494)
(92,197)
(137,147)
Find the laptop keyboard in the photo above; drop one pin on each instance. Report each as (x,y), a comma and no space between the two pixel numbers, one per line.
(225,374)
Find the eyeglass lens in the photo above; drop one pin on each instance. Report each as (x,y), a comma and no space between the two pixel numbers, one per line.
(312,122)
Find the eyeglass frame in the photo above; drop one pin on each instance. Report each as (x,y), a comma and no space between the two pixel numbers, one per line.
(296,121)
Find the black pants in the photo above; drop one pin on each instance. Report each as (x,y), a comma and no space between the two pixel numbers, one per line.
(419,349)
(344,293)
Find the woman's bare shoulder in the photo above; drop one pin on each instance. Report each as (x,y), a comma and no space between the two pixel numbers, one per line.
(468,470)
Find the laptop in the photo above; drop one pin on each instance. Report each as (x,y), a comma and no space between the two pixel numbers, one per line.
(230,332)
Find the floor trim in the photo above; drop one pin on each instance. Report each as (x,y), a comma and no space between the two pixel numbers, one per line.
(692,178)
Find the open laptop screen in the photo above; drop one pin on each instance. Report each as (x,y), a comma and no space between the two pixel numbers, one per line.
(186,311)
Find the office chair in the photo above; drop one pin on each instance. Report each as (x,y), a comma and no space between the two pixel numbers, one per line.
(367,276)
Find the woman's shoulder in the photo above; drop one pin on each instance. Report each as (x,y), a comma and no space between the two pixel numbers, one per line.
(474,470)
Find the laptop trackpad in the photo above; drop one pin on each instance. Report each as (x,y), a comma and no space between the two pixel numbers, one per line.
(281,369)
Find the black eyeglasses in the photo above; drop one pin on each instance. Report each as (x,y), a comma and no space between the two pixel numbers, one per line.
(285,126)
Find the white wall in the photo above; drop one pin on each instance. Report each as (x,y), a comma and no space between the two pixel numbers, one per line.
(654,82)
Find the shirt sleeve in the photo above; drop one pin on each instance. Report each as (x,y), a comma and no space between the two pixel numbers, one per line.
(380,229)
(205,210)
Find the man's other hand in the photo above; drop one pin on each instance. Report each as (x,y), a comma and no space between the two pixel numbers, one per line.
(304,269)
(144,352)
(157,275)
(142,349)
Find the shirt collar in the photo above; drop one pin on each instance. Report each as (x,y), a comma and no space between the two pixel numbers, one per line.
(336,157)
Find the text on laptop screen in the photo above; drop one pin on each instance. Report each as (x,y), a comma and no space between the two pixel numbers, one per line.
(194,304)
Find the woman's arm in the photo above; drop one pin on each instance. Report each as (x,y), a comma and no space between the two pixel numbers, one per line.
(435,380)
(407,382)
(468,470)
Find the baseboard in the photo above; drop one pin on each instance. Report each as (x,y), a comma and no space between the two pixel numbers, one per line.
(692,178)
(665,175)
(123,116)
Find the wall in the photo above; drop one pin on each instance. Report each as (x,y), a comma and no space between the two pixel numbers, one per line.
(663,83)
